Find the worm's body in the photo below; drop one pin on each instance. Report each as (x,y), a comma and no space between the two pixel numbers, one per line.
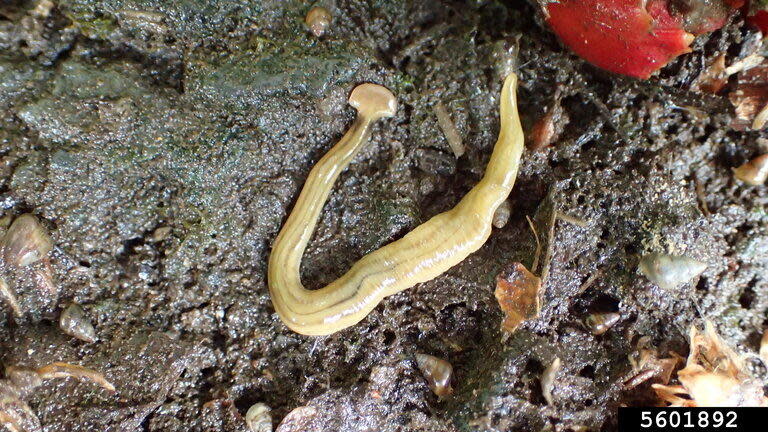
(429,250)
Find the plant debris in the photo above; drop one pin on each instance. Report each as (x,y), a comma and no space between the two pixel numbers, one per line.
(714,376)
(713,78)
(647,364)
(518,293)
(630,37)
(550,125)
(20,383)
(750,98)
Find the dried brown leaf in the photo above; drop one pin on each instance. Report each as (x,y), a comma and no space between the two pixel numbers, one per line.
(713,78)
(517,292)
(648,365)
(673,395)
(549,126)
(714,375)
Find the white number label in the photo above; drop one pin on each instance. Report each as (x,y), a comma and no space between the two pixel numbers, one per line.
(646,416)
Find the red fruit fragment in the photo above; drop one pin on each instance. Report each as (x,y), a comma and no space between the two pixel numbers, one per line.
(620,35)
(759,19)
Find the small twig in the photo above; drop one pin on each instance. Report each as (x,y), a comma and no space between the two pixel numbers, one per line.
(606,112)
(535,264)
(592,131)
(314,345)
(700,195)
(66,370)
(587,91)
(431,34)
(590,281)
(550,247)
(635,379)
(571,219)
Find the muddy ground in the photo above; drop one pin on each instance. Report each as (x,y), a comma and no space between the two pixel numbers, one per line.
(163,143)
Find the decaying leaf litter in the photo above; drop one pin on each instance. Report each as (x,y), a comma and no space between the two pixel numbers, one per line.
(124,118)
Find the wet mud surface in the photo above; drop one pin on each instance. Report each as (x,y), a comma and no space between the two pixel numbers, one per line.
(162,145)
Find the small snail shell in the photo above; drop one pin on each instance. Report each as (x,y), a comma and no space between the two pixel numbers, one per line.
(26,241)
(501,215)
(258,418)
(437,372)
(74,323)
(600,323)
(754,172)
(318,20)
(670,271)
(298,420)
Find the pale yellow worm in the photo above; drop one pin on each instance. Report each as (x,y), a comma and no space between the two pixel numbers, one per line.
(423,254)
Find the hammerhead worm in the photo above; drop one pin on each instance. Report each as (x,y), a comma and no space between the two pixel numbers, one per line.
(423,254)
